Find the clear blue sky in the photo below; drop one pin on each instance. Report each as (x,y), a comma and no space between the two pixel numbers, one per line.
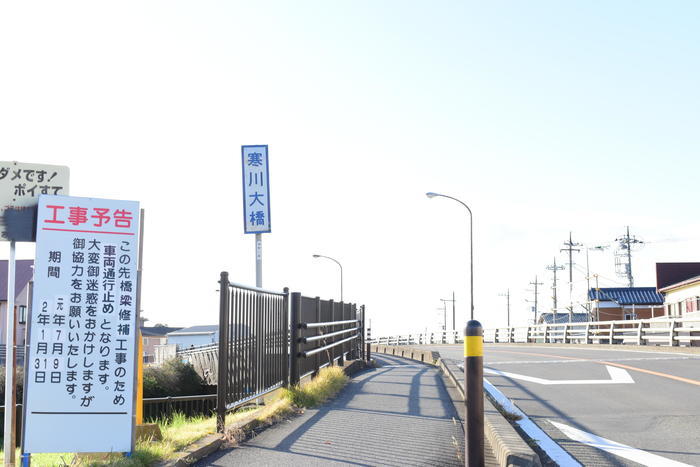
(544,116)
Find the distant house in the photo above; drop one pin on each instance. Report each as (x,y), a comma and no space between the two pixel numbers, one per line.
(683,298)
(23,275)
(152,336)
(621,303)
(673,273)
(680,285)
(562,318)
(194,336)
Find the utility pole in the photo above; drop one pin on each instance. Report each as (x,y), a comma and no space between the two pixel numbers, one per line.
(554,268)
(444,303)
(570,248)
(588,277)
(536,293)
(507,295)
(626,242)
(444,316)
(597,298)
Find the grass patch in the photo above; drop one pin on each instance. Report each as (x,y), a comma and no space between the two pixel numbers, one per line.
(182,431)
(329,381)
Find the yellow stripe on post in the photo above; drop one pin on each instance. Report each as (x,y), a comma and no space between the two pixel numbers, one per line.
(473,346)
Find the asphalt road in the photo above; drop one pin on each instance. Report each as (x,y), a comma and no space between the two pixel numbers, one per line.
(397,415)
(657,414)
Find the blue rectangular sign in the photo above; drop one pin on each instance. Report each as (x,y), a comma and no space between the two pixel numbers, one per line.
(256,189)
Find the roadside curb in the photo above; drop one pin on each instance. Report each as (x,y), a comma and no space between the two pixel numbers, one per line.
(196,451)
(509,447)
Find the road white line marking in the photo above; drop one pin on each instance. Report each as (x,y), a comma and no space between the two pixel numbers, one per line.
(525,346)
(592,360)
(617,376)
(613,447)
(553,450)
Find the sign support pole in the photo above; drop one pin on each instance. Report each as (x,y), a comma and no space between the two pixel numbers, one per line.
(258,260)
(138,361)
(10,364)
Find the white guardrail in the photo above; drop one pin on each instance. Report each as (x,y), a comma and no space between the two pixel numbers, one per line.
(658,331)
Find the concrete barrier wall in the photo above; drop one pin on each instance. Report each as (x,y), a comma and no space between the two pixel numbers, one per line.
(425,356)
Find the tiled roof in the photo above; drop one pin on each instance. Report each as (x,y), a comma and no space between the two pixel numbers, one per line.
(564,318)
(628,295)
(23,274)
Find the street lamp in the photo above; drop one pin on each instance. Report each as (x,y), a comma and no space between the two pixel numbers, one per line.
(471,244)
(341,272)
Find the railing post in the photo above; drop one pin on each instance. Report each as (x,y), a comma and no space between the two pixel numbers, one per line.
(474,394)
(565,339)
(341,360)
(364,336)
(317,358)
(285,339)
(294,339)
(222,375)
(612,333)
(672,333)
(640,341)
(546,328)
(587,335)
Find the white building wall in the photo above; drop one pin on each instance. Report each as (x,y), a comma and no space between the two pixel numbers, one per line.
(675,299)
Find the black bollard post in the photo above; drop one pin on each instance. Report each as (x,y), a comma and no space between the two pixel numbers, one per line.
(369,353)
(474,394)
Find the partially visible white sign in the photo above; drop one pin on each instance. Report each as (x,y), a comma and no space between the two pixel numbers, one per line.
(21,184)
(256,189)
(81,361)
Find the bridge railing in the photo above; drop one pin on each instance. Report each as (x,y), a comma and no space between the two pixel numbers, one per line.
(323,332)
(252,349)
(435,337)
(656,331)
(270,339)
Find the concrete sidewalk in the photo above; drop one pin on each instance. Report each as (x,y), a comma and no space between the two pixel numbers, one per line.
(399,414)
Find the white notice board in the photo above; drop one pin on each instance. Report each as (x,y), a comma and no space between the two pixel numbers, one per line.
(21,184)
(256,189)
(81,360)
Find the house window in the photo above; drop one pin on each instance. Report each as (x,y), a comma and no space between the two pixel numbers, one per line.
(630,315)
(22,315)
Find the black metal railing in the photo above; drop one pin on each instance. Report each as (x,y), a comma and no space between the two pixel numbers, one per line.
(18,424)
(163,408)
(154,409)
(272,339)
(253,350)
(323,332)
(19,354)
